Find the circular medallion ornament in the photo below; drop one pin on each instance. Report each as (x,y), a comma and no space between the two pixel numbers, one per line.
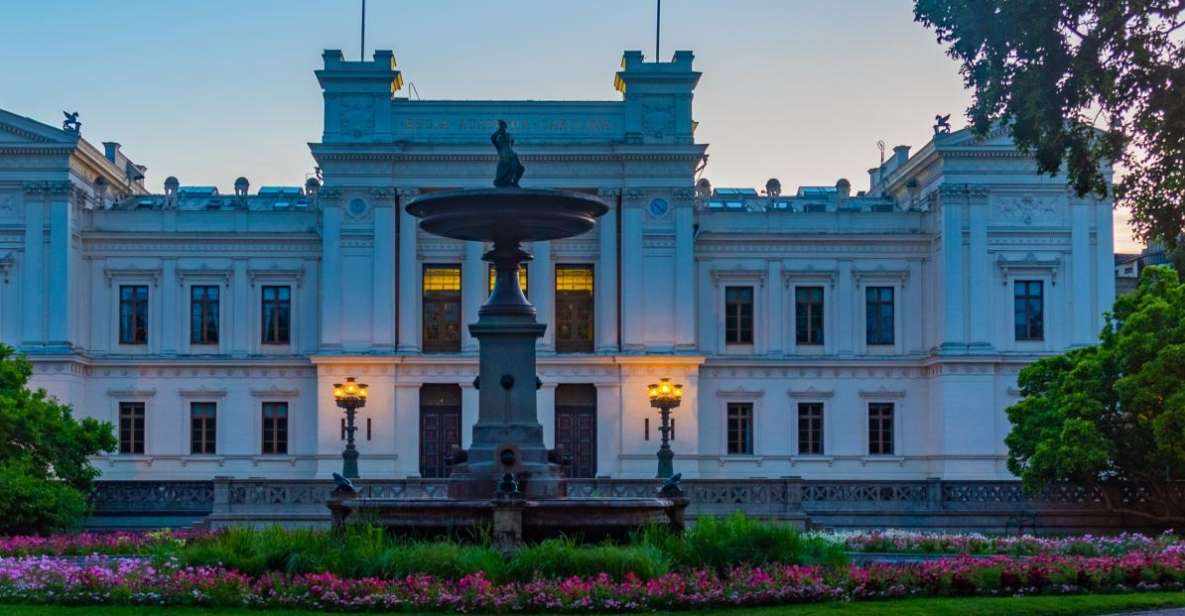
(658,207)
(357,207)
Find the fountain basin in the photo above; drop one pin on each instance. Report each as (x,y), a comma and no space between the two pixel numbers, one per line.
(507,214)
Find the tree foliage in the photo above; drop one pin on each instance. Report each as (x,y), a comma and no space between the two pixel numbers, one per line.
(45,471)
(1084,83)
(1112,414)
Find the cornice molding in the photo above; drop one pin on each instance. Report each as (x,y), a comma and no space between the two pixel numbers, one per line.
(882,393)
(276,392)
(740,393)
(789,277)
(293,275)
(758,276)
(202,392)
(810,393)
(1029,263)
(132,274)
(131,394)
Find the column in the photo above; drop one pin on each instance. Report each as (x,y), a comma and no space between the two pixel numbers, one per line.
(609,429)
(1081,268)
(632,283)
(383,286)
(407,429)
(541,288)
(606,325)
(1105,263)
(981,274)
(474,283)
(469,406)
(33,270)
(685,275)
(952,269)
(775,318)
(59,311)
(409,297)
(545,403)
(331,272)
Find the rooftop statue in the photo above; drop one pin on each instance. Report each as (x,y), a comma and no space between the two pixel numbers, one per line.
(510,170)
(942,124)
(71,123)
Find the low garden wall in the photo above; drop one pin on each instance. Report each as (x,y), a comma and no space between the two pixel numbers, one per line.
(989,506)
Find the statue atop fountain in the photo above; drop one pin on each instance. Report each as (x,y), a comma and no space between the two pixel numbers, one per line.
(510,169)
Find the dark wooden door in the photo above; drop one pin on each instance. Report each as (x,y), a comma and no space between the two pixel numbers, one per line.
(440,427)
(576,427)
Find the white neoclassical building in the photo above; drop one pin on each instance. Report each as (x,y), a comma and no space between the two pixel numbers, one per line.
(822,333)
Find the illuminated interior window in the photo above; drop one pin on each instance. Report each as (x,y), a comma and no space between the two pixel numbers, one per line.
(442,278)
(522,278)
(575,278)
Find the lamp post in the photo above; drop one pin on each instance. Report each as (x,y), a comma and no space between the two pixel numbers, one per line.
(665,396)
(351,396)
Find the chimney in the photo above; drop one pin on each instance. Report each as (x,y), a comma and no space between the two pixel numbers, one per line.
(111,150)
(900,155)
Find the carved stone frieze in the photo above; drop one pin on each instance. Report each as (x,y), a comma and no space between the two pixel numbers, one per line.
(1028,209)
(49,188)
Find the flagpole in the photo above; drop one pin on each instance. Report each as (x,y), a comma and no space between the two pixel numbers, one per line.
(657,30)
(362,45)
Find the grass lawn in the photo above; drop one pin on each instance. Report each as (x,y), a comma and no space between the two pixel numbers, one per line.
(1010,606)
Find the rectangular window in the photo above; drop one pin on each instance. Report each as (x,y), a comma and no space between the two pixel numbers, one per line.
(574,308)
(131,427)
(1029,304)
(202,427)
(878,311)
(275,427)
(277,314)
(880,429)
(522,278)
(810,428)
(442,309)
(133,314)
(738,315)
(808,315)
(203,315)
(740,428)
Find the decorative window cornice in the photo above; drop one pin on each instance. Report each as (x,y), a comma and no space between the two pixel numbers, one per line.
(202,392)
(739,393)
(1029,263)
(276,393)
(257,276)
(881,275)
(882,393)
(789,277)
(810,393)
(757,276)
(223,276)
(131,394)
(132,275)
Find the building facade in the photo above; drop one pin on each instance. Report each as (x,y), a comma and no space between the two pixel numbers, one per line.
(827,333)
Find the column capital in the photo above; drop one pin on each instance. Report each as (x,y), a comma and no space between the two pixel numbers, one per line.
(407,191)
(385,194)
(609,191)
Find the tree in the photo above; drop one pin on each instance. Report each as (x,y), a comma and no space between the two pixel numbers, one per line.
(1113,415)
(1084,82)
(45,471)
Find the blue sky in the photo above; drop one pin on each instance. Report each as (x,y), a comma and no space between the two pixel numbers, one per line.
(211,90)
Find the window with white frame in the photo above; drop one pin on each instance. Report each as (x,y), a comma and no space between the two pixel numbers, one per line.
(880,429)
(740,428)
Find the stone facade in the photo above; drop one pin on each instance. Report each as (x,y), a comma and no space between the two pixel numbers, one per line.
(901,372)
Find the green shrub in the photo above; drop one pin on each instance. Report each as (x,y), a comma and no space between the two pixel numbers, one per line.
(32,505)
(565,558)
(728,541)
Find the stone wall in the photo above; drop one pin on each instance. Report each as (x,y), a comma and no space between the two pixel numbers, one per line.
(988,506)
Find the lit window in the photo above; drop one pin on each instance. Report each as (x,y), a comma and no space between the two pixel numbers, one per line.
(574,308)
(441,309)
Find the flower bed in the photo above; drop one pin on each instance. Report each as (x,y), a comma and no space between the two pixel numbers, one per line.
(136,581)
(120,543)
(896,541)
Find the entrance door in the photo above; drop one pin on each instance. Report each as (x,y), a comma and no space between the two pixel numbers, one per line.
(576,427)
(440,427)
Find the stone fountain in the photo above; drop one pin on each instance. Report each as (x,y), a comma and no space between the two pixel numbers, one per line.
(508,480)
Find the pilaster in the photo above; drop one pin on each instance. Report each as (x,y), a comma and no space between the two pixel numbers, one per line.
(407,436)
(409,298)
(685,269)
(609,429)
(62,275)
(545,400)
(980,269)
(331,268)
(607,272)
(541,289)
(469,411)
(633,311)
(474,282)
(383,284)
(33,266)
(952,272)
